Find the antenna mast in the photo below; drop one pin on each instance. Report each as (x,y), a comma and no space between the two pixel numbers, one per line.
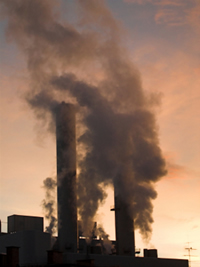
(189,249)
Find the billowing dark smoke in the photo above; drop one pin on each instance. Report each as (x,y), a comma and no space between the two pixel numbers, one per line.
(48,205)
(88,66)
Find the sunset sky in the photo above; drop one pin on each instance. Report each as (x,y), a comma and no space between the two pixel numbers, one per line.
(162,39)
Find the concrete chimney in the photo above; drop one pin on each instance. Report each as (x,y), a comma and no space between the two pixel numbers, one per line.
(66,178)
(124,228)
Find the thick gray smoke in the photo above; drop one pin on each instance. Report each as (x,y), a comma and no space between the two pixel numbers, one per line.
(88,66)
(48,205)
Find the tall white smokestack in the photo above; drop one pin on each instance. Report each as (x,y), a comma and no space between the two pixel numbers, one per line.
(124,228)
(66,177)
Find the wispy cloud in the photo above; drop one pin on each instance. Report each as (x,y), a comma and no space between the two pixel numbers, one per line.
(193,16)
(173,12)
(158,2)
(170,17)
(169,2)
(175,171)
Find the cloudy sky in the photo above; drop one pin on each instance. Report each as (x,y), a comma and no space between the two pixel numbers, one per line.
(162,39)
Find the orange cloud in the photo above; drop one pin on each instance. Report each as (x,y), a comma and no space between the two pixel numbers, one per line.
(174,170)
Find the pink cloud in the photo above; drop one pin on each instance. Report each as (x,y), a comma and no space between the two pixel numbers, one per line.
(193,16)
(140,2)
(157,2)
(170,17)
(169,2)
(174,12)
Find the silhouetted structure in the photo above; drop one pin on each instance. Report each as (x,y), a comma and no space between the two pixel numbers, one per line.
(66,177)
(31,246)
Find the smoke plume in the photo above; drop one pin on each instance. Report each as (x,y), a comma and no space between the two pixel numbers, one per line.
(106,243)
(87,65)
(48,205)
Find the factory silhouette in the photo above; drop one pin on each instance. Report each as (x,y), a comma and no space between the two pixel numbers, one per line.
(25,243)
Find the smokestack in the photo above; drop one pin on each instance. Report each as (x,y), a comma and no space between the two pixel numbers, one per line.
(66,178)
(124,228)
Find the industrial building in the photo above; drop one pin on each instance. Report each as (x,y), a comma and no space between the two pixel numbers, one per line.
(26,234)
(26,244)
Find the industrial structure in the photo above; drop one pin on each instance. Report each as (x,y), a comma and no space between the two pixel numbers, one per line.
(124,228)
(66,178)
(26,238)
